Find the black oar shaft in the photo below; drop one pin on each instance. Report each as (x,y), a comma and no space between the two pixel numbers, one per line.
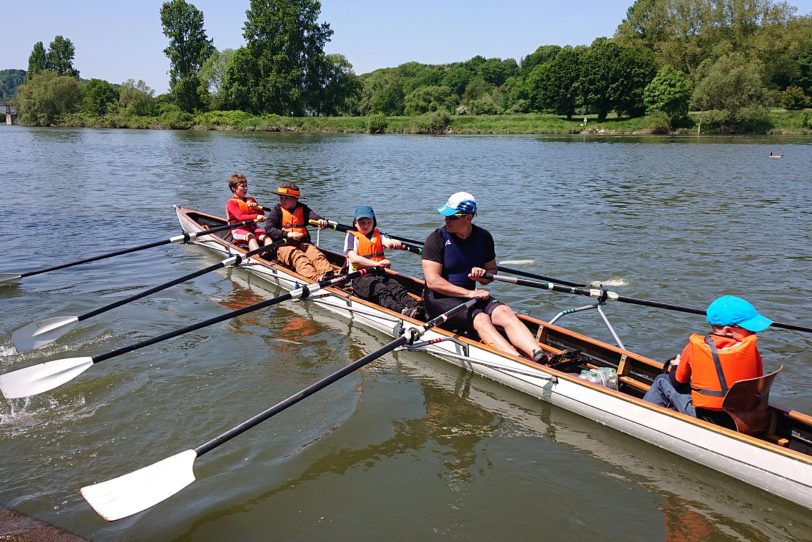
(329,379)
(293,399)
(185,238)
(605,294)
(237,259)
(417,250)
(345,228)
(95,258)
(691,310)
(298,292)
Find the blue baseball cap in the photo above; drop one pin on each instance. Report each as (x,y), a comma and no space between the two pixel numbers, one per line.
(364,211)
(730,310)
(460,202)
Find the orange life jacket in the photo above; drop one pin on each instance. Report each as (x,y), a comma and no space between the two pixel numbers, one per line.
(713,371)
(294,221)
(244,208)
(368,248)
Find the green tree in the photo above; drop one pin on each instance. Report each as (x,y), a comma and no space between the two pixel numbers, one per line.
(804,79)
(683,33)
(46,97)
(733,86)
(188,49)
(60,57)
(213,74)
(613,76)
(555,83)
(285,46)
(389,100)
(794,98)
(496,71)
(337,89)
(427,99)
(9,81)
(99,95)
(136,99)
(669,92)
(36,61)
(543,54)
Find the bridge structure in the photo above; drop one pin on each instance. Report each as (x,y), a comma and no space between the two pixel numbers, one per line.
(9,110)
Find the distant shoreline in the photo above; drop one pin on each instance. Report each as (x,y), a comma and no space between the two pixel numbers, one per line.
(780,122)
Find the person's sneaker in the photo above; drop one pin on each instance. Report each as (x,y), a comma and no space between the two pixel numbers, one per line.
(540,356)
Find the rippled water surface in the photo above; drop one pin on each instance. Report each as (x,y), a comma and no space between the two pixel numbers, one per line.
(409,448)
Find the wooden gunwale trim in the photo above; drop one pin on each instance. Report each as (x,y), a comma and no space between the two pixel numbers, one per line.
(801,417)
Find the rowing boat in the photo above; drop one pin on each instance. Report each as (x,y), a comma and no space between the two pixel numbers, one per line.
(780,462)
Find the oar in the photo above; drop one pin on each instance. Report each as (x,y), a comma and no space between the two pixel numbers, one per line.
(39,334)
(7,279)
(49,375)
(417,250)
(602,294)
(344,228)
(146,487)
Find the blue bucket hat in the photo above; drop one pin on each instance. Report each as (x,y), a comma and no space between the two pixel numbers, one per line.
(460,202)
(730,310)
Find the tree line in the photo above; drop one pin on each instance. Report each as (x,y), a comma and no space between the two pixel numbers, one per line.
(730,59)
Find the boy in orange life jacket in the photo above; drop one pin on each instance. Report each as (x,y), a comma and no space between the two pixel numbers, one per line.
(364,248)
(713,363)
(241,207)
(288,220)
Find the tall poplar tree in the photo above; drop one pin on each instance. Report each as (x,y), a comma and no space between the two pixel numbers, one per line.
(188,49)
(281,63)
(36,61)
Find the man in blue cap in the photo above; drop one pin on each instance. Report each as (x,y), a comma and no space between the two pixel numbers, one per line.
(710,364)
(456,257)
(364,249)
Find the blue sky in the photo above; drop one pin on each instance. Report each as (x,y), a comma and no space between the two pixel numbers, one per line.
(117,40)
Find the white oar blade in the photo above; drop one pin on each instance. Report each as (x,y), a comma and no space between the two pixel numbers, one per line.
(141,489)
(43,377)
(9,279)
(39,334)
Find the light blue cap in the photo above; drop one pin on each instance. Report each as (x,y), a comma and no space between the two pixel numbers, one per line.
(460,202)
(364,211)
(730,310)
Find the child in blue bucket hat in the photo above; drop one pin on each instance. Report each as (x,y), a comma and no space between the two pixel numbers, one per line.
(710,364)
(364,248)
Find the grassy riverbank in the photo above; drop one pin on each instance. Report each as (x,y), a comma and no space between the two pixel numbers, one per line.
(778,122)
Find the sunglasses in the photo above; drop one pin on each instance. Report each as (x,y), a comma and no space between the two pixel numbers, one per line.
(456,216)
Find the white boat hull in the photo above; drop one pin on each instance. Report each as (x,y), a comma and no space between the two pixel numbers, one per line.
(777,470)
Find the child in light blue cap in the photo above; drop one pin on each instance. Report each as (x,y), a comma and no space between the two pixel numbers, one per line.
(710,364)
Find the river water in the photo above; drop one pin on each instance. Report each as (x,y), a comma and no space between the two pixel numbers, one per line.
(409,448)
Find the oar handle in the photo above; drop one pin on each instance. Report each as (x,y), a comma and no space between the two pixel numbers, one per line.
(539,277)
(544,285)
(301,292)
(414,334)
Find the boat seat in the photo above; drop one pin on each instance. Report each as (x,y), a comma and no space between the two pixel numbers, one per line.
(748,403)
